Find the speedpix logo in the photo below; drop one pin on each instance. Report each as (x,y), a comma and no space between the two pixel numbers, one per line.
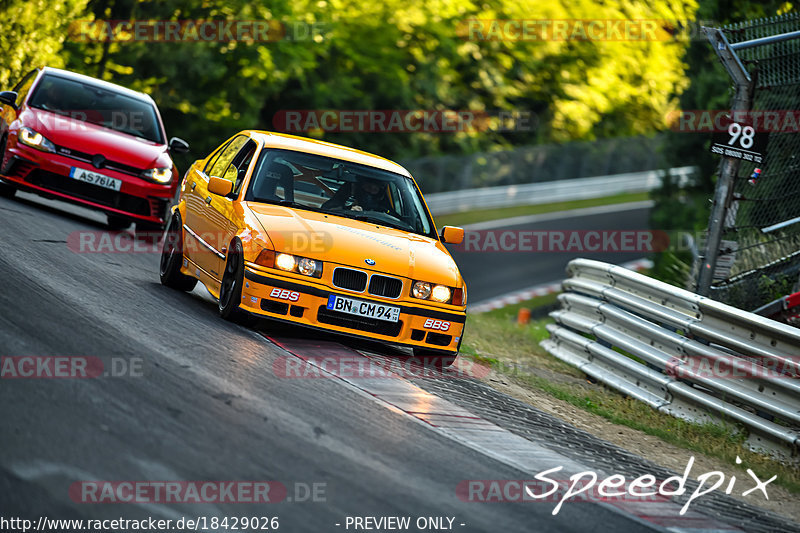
(284,294)
(440,325)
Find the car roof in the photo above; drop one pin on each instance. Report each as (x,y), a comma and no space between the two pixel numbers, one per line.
(97,82)
(323,148)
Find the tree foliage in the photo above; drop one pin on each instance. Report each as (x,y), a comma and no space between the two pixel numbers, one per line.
(33,32)
(390,55)
(710,88)
(398,54)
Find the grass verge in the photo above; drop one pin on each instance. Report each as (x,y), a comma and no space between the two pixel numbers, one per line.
(471,217)
(494,338)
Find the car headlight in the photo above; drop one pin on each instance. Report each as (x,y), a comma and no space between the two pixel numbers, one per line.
(440,294)
(34,139)
(428,291)
(158,175)
(285,262)
(307,266)
(421,290)
(303,265)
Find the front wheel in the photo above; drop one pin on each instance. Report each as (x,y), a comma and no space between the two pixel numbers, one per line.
(230,290)
(172,257)
(6,191)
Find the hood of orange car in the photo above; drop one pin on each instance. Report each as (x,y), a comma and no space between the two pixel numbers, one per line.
(351,242)
(90,138)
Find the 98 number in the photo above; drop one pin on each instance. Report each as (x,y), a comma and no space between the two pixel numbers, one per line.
(735,130)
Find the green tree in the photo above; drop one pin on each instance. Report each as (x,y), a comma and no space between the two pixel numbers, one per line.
(398,54)
(33,33)
(688,208)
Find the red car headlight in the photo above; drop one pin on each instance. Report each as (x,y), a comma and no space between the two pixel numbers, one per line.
(36,140)
(158,175)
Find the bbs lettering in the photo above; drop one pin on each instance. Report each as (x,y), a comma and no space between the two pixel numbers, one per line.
(284,294)
(440,325)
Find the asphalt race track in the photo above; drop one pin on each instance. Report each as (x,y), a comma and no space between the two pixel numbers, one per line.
(205,403)
(489,273)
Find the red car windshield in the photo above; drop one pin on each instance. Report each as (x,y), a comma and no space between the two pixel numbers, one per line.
(98,105)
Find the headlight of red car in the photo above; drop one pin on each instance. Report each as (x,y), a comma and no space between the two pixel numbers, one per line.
(34,139)
(158,175)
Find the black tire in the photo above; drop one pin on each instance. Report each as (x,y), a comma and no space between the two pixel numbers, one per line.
(6,191)
(432,357)
(117,223)
(172,257)
(230,289)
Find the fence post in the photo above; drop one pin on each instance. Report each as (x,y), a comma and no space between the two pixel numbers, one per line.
(730,166)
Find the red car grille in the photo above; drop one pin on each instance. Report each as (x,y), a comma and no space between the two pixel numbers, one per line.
(19,167)
(84,156)
(92,193)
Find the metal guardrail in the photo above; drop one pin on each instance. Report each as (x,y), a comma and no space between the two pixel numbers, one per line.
(681,353)
(551,191)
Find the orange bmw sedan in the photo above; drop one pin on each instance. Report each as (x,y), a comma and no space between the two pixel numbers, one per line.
(320,235)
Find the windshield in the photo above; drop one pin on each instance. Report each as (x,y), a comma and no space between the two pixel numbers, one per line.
(97,105)
(339,188)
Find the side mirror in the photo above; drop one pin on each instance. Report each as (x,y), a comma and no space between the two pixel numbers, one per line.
(219,186)
(452,235)
(178,145)
(9,98)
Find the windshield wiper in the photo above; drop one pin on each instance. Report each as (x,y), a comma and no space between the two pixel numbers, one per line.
(374,220)
(288,203)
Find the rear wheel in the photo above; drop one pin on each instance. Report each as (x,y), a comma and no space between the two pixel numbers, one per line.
(230,290)
(172,257)
(6,191)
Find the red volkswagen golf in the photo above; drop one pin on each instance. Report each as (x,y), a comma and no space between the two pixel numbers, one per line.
(87,141)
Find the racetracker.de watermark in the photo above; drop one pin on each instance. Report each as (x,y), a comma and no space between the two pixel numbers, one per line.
(569,30)
(197,31)
(177,492)
(123,242)
(403,120)
(573,241)
(732,367)
(719,120)
(77,119)
(68,367)
(359,367)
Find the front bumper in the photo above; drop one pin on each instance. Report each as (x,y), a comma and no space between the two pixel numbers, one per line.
(47,174)
(419,326)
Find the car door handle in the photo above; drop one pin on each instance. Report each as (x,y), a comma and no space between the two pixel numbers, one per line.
(208,200)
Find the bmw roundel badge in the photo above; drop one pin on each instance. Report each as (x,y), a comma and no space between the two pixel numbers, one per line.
(370,262)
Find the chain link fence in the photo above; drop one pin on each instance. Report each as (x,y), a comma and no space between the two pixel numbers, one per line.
(533,164)
(760,219)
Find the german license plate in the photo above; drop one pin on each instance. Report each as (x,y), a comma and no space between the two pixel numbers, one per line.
(95,178)
(351,306)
